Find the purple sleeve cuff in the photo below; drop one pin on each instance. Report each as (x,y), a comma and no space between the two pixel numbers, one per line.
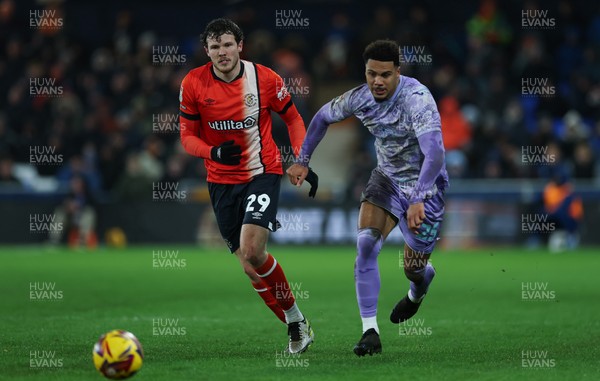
(315,133)
(433,149)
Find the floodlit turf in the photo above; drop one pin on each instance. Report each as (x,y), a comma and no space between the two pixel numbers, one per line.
(203,321)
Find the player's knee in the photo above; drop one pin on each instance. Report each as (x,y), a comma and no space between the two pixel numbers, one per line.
(414,274)
(254,254)
(368,242)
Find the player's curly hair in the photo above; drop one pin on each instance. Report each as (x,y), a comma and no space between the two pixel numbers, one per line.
(217,27)
(383,50)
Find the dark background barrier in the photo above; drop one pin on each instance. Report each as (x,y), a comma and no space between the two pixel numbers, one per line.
(476,214)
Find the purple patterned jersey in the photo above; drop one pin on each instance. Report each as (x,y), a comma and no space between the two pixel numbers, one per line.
(396,124)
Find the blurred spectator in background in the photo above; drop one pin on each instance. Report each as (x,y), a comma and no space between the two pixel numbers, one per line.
(381,26)
(573,131)
(480,56)
(175,168)
(333,59)
(584,161)
(77,166)
(290,67)
(565,211)
(112,159)
(489,25)
(456,130)
(7,21)
(134,184)
(553,161)
(8,138)
(6,171)
(77,217)
(150,159)
(595,140)
(456,164)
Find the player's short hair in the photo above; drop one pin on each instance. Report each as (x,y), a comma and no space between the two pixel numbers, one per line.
(217,27)
(382,50)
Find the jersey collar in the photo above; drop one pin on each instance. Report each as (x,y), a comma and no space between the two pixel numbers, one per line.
(212,71)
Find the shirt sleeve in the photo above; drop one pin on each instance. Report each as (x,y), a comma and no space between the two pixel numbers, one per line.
(425,115)
(280,99)
(340,107)
(433,150)
(187,104)
(189,121)
(428,130)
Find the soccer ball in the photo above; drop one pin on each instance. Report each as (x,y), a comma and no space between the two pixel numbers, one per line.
(118,354)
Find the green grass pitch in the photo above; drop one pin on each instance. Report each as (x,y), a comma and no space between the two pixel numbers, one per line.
(202,321)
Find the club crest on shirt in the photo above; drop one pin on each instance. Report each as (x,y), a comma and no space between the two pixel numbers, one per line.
(282,93)
(250,100)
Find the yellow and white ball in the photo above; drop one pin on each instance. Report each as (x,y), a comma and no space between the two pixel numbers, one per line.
(118,355)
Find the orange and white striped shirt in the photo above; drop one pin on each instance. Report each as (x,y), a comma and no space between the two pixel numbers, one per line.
(213,111)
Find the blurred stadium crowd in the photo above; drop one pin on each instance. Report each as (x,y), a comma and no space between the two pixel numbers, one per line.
(112,92)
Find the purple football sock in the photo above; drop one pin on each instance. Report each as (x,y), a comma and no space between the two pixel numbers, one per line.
(366,270)
(418,290)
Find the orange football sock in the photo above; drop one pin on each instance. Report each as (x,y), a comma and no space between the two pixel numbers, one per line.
(273,276)
(264,292)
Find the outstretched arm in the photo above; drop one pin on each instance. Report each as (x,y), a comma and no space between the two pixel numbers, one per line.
(316,131)
(339,108)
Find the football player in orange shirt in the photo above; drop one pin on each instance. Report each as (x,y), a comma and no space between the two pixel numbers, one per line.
(225,118)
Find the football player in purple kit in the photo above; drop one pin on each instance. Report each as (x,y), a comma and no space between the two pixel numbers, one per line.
(406,188)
